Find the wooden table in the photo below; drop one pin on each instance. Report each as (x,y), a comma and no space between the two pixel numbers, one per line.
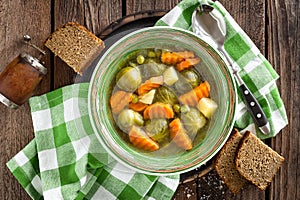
(272,24)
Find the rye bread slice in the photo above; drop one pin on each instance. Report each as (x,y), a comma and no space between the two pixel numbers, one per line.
(225,164)
(75,45)
(256,161)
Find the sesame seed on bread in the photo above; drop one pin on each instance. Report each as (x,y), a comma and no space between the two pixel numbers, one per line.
(75,45)
(225,164)
(256,161)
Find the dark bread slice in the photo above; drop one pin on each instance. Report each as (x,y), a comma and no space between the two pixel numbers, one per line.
(256,161)
(225,164)
(75,45)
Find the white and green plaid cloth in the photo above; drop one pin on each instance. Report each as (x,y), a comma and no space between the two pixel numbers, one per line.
(66,161)
(256,71)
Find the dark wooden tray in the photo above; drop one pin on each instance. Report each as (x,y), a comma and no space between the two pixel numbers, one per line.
(119,29)
(116,31)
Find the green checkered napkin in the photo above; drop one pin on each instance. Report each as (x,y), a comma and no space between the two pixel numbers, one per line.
(256,71)
(65,161)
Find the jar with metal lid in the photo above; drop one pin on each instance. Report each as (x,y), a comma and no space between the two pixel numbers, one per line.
(18,81)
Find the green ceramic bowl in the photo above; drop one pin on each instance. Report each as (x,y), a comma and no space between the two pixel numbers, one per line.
(212,68)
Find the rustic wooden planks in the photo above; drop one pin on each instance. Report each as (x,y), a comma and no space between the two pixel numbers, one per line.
(284,53)
(133,6)
(273,25)
(93,14)
(18,18)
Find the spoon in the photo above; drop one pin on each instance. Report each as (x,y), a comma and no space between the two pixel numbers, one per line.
(210,24)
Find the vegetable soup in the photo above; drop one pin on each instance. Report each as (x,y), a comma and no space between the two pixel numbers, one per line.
(160,102)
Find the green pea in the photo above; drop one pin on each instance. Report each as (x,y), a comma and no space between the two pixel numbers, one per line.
(176,108)
(135,98)
(140,59)
(151,54)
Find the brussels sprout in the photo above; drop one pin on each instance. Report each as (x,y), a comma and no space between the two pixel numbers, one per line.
(151,69)
(182,85)
(129,79)
(185,108)
(193,121)
(188,79)
(165,95)
(191,77)
(157,129)
(127,118)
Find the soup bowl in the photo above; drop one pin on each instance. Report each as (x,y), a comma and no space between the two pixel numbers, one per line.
(165,160)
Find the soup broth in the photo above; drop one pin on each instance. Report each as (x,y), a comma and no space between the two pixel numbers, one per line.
(160,101)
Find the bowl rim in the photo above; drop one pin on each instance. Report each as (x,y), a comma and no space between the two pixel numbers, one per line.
(123,162)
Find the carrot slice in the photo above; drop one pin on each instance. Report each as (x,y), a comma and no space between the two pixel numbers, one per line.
(192,97)
(179,136)
(158,110)
(202,90)
(171,58)
(187,63)
(189,98)
(138,107)
(140,139)
(152,83)
(186,54)
(119,100)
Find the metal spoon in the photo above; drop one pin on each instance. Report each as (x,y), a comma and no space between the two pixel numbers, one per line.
(210,24)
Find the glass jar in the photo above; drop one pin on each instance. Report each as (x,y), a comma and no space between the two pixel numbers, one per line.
(18,81)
